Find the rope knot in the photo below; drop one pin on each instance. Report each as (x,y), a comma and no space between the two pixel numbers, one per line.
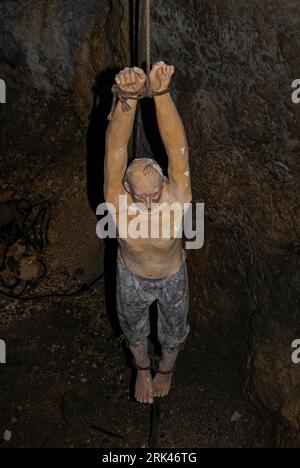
(124,96)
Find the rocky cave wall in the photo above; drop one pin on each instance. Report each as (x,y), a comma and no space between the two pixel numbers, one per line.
(51,55)
(55,57)
(235,62)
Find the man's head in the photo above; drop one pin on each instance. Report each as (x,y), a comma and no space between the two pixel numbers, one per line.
(144,181)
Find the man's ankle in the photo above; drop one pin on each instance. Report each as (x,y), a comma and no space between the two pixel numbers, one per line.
(143,362)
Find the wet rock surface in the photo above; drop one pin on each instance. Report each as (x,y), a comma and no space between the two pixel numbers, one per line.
(235,64)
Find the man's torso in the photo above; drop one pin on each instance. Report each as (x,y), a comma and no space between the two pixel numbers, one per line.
(151,242)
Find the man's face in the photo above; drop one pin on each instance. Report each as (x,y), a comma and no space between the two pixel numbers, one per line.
(146,185)
(147,193)
(146,198)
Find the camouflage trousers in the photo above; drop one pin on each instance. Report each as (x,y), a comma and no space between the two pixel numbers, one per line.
(134,297)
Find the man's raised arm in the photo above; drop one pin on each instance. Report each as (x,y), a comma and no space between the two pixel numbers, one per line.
(118,134)
(172,131)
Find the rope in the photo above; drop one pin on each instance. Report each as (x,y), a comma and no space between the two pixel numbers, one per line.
(148,35)
(146,91)
(124,96)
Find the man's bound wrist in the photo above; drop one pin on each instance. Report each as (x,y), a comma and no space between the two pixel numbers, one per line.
(125,96)
(160,93)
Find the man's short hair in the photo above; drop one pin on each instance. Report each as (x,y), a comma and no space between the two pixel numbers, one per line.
(149,164)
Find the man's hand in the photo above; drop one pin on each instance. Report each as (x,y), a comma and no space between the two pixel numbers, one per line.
(160,76)
(131,80)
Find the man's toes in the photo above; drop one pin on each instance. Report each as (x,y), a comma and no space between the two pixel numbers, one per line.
(161,392)
(146,400)
(150,398)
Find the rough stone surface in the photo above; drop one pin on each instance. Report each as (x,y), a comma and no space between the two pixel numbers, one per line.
(52,55)
(236,62)
(50,64)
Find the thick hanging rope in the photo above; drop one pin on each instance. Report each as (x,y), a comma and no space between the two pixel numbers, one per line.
(146,92)
(148,35)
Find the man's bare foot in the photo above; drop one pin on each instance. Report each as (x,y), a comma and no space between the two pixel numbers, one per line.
(162,383)
(144,388)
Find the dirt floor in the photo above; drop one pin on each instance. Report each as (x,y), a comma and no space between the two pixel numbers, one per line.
(67,385)
(68,381)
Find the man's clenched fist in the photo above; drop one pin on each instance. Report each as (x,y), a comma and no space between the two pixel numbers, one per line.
(131,80)
(160,76)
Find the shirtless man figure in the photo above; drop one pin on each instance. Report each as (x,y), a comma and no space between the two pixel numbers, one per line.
(148,269)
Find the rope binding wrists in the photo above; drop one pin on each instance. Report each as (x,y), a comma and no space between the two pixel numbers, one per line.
(124,96)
